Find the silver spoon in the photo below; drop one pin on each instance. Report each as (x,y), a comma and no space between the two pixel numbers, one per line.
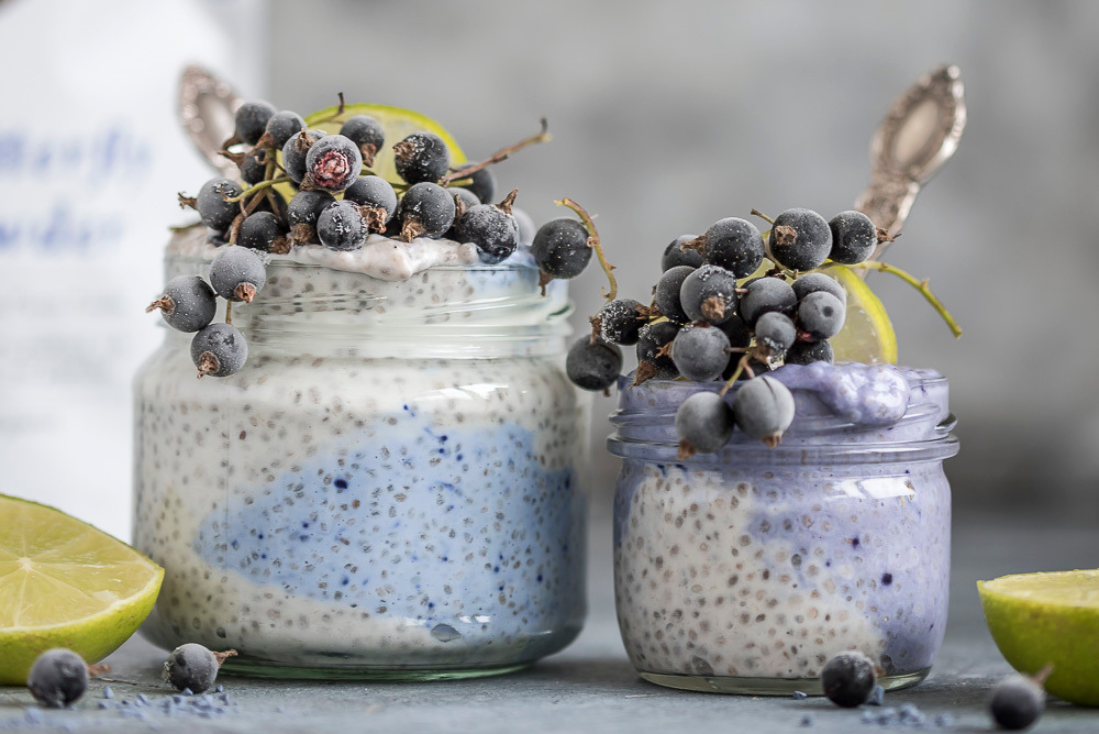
(920,132)
(206,107)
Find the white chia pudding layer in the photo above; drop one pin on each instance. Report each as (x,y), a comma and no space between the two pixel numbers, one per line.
(391,482)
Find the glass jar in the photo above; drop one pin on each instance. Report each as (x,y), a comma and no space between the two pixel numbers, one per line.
(388,489)
(744,571)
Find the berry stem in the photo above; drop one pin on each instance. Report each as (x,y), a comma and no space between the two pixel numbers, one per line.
(920,285)
(334,116)
(764,217)
(229,312)
(594,243)
(261,185)
(503,154)
(741,367)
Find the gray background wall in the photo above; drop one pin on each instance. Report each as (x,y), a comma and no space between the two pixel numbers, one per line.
(669,116)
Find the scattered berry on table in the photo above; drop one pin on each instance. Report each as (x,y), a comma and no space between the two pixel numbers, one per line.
(593,366)
(219,350)
(482,183)
(704,423)
(776,332)
(263,231)
(667,295)
(421,158)
(333,163)
(295,151)
(675,254)
(251,120)
(763,409)
(426,210)
(187,304)
(813,282)
(215,212)
(854,237)
(193,667)
(765,295)
(304,209)
(821,315)
(709,294)
(734,244)
(848,679)
(378,194)
(1017,702)
(800,239)
(342,226)
(654,360)
(367,134)
(560,248)
(699,352)
(803,352)
(237,274)
(620,321)
(58,678)
(281,127)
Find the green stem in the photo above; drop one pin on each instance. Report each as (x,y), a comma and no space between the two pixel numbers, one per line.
(920,285)
(764,217)
(741,366)
(594,243)
(261,185)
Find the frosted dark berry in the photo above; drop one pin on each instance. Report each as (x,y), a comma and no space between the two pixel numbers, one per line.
(675,255)
(739,334)
(803,352)
(620,321)
(854,237)
(251,120)
(593,366)
(1017,702)
(765,295)
(295,151)
(776,332)
(281,127)
(219,350)
(421,158)
(193,667)
(187,304)
(651,343)
(709,294)
(734,244)
(261,231)
(667,295)
(482,184)
(238,274)
(699,352)
(342,226)
(333,163)
(58,678)
(494,231)
(704,423)
(252,168)
(813,282)
(821,315)
(376,193)
(302,213)
(763,409)
(464,200)
(215,212)
(367,134)
(426,210)
(561,248)
(800,239)
(848,679)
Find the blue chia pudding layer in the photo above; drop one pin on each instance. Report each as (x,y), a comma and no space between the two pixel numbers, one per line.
(390,483)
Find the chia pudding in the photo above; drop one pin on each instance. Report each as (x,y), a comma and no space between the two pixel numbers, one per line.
(389,487)
(746,570)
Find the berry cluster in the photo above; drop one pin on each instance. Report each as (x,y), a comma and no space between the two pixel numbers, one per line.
(337,203)
(707,307)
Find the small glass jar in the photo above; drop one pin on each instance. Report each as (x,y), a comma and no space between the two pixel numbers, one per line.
(746,570)
(388,489)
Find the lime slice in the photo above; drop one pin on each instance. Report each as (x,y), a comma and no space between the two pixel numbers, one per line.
(65,584)
(1040,619)
(867,334)
(397,124)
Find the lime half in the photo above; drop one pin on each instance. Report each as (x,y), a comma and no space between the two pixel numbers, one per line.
(397,124)
(867,334)
(1040,619)
(64,583)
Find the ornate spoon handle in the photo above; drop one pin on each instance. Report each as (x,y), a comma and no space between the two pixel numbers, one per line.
(206,107)
(920,132)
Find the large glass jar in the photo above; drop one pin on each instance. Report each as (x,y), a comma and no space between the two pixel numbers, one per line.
(744,571)
(388,488)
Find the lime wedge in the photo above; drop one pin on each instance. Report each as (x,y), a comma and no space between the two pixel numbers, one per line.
(1040,619)
(867,334)
(397,124)
(65,584)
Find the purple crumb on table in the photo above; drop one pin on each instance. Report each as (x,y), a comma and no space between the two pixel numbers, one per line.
(800,695)
(943,720)
(104,705)
(108,692)
(141,699)
(219,689)
(877,697)
(33,715)
(806,720)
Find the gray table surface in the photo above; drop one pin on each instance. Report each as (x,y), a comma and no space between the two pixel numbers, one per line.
(591,687)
